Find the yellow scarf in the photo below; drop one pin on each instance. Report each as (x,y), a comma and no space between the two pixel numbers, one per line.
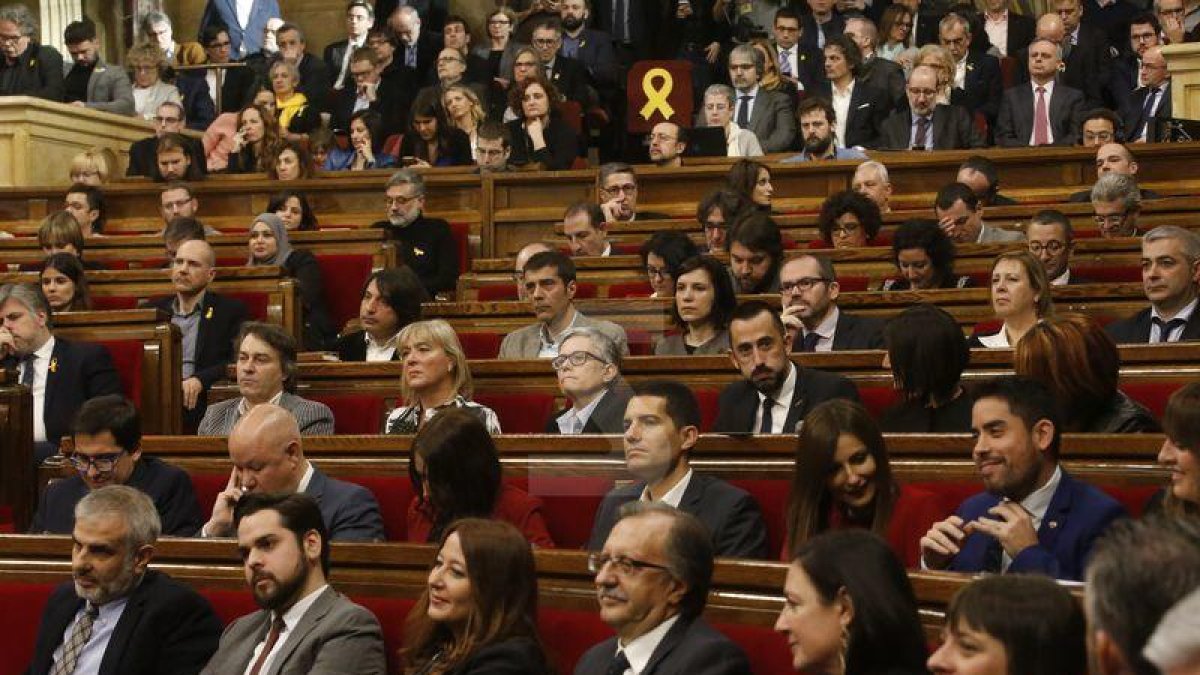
(288,109)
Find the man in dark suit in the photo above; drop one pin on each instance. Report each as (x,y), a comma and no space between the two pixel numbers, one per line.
(859,108)
(267,455)
(1086,53)
(285,546)
(1052,117)
(1125,74)
(107,451)
(775,394)
(925,125)
(1151,101)
(591,47)
(117,617)
(208,322)
(419,45)
(768,114)
(367,88)
(456,35)
(978,86)
(1009,32)
(61,373)
(1170,274)
(809,290)
(801,63)
(314,76)
(569,76)
(1034,518)
(981,175)
(634,33)
(246,38)
(643,580)
(662,424)
(588,367)
(426,244)
(875,71)
(1114,158)
(360,15)
(619,195)
(236,80)
(391,299)
(1052,241)
(143,155)
(821,23)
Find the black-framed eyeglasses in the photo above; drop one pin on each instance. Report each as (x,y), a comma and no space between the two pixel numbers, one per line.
(624,566)
(102,463)
(575,359)
(801,284)
(1051,247)
(1111,219)
(845,230)
(657,272)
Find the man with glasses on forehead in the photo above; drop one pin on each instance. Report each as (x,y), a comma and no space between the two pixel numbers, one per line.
(652,580)
(619,194)
(107,450)
(661,427)
(28,68)
(169,118)
(808,289)
(588,367)
(426,244)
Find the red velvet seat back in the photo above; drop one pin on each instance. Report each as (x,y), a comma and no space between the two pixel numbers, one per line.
(497,292)
(570,503)
(567,634)
(256,303)
(633,289)
(1108,274)
(1153,395)
(462,233)
(127,359)
(231,262)
(207,486)
(707,398)
(343,276)
(480,345)
(519,413)
(641,342)
(104,303)
(767,650)
(354,413)
(21,607)
(878,399)
(391,613)
(585,290)
(849,284)
(772,498)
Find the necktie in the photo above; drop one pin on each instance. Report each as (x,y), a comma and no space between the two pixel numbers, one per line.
(743,115)
(922,138)
(76,641)
(993,557)
(1041,120)
(767,407)
(620,34)
(1165,328)
(277,627)
(809,343)
(28,370)
(410,55)
(1147,113)
(785,62)
(618,666)
(576,425)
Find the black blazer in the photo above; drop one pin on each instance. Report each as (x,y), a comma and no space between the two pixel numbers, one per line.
(167,485)
(690,647)
(198,105)
(332,56)
(220,320)
(353,347)
(319,331)
(427,246)
(514,656)
(854,332)
(868,108)
(952,129)
(607,418)
(143,157)
(1014,126)
(809,31)
(644,20)
(1132,117)
(315,82)
(731,515)
(738,403)
(570,78)
(39,72)
(984,86)
(166,628)
(1087,65)
(1021,31)
(887,76)
(429,43)
(597,56)
(77,371)
(392,102)
(562,145)
(455,151)
(1136,329)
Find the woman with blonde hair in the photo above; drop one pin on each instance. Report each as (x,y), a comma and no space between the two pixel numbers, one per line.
(92,166)
(771,79)
(464,111)
(146,64)
(435,377)
(939,59)
(1020,298)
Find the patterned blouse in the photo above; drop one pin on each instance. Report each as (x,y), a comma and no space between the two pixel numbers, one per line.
(407,419)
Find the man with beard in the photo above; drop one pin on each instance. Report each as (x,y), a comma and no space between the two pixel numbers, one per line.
(304,625)
(775,394)
(755,253)
(809,291)
(817,121)
(662,424)
(426,244)
(668,141)
(767,113)
(90,82)
(1033,518)
(116,612)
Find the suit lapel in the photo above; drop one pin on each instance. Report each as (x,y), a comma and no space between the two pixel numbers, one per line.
(799,403)
(91,83)
(126,627)
(58,357)
(62,616)
(1192,330)
(1056,514)
(308,623)
(206,315)
(671,640)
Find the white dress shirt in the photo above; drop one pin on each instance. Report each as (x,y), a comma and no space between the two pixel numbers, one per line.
(381,351)
(841,109)
(997,31)
(575,419)
(243,12)
(1062,279)
(1049,87)
(290,619)
(345,71)
(783,403)
(737,104)
(41,367)
(549,346)
(1185,314)
(960,74)
(998,340)
(641,648)
(1036,504)
(675,495)
(825,329)
(793,59)
(92,654)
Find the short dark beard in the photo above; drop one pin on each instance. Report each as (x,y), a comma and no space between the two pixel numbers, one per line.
(287,592)
(572,24)
(818,147)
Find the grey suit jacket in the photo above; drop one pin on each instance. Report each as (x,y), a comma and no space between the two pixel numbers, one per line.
(773,120)
(315,419)
(334,636)
(108,88)
(524,343)
(992,235)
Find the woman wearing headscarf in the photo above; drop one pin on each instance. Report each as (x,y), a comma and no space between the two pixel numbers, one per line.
(269,245)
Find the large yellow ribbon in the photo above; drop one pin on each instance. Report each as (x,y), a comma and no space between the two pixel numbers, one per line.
(656,95)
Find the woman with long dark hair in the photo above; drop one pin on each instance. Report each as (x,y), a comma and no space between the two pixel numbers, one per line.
(64,283)
(752,180)
(704,303)
(431,140)
(293,208)
(455,473)
(1180,454)
(843,479)
(478,613)
(927,354)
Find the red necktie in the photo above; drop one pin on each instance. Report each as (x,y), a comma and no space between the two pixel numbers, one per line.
(1041,120)
(277,627)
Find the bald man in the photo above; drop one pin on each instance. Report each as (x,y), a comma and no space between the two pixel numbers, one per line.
(523,257)
(268,457)
(1113,158)
(207,321)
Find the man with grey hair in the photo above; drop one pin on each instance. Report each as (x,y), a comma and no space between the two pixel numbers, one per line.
(1170,274)
(652,578)
(61,373)
(588,367)
(619,194)
(426,244)
(315,81)
(117,615)
(1137,572)
(418,47)
(1175,646)
(719,103)
(28,68)
(767,113)
(871,180)
(1116,204)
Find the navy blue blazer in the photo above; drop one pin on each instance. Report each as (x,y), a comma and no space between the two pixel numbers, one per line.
(690,647)
(77,371)
(350,511)
(1078,514)
(166,628)
(730,513)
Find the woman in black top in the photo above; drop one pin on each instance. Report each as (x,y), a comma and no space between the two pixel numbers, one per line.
(924,256)
(269,245)
(541,139)
(927,354)
(431,140)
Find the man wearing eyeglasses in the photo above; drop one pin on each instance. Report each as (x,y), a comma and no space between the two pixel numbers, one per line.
(1052,241)
(1099,126)
(588,367)
(652,579)
(568,75)
(619,194)
(28,68)
(1126,76)
(1151,101)
(169,118)
(368,89)
(809,291)
(661,427)
(1116,204)
(426,244)
(107,436)
(668,141)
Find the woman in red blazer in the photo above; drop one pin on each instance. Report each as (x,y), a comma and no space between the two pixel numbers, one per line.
(455,473)
(843,479)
